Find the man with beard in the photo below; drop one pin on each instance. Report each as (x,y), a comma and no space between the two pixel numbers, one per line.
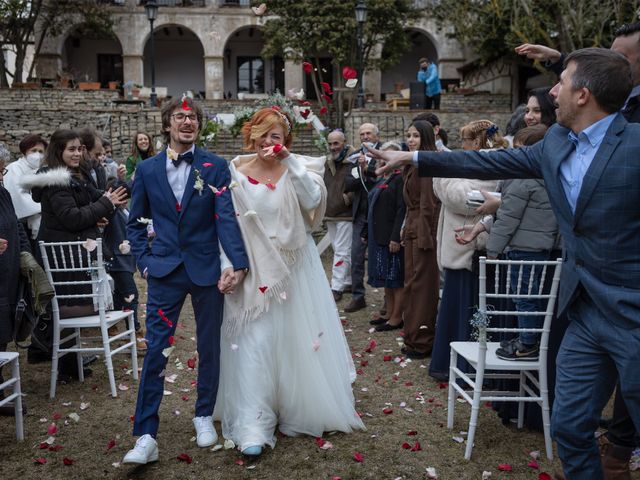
(191,223)
(338,215)
(589,163)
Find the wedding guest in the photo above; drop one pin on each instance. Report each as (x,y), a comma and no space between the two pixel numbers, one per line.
(32,148)
(285,361)
(386,254)
(141,150)
(460,290)
(92,158)
(421,277)
(72,209)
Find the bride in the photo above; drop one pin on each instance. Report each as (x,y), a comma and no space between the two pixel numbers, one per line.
(284,358)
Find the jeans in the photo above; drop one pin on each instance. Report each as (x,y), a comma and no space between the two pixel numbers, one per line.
(527,304)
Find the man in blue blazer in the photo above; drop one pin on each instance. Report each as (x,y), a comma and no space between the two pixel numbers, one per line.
(192,222)
(591,167)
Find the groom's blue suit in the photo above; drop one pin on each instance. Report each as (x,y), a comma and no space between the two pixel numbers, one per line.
(184,258)
(600,282)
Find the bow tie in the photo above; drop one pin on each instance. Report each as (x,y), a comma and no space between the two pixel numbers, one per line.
(184,157)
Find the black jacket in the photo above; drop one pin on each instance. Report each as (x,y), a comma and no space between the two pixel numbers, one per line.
(387,212)
(361,187)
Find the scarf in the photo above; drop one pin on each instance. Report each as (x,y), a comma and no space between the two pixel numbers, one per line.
(270,259)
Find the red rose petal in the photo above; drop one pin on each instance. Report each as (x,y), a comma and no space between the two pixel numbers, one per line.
(442,385)
(349,73)
(183,457)
(67,461)
(383,186)
(57,416)
(412,433)
(185,105)
(216,216)
(207,164)
(364,363)
(185,398)
(270,186)
(360,371)
(111,444)
(326,88)
(171,340)
(544,476)
(305,113)
(55,448)
(372,344)
(323,110)
(408,384)
(327,98)
(43,446)
(387,411)
(252,180)
(239,462)
(178,207)
(307,67)
(358,457)
(387,358)
(40,461)
(320,442)
(277,147)
(416,447)
(338,263)
(52,429)
(191,363)
(505,467)
(406,446)
(533,464)
(263,289)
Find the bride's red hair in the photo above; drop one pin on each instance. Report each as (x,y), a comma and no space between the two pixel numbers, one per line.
(261,122)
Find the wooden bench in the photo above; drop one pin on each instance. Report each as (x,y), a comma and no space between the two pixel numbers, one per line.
(394,103)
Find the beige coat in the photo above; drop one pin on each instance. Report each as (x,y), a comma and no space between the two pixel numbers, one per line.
(454,213)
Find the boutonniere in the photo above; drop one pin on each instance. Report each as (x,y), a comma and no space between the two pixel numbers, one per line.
(199,182)
(172,154)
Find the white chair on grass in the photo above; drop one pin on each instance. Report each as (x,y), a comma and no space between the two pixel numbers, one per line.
(481,354)
(61,259)
(14,384)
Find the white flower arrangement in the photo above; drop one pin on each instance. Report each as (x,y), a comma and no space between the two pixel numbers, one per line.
(199,182)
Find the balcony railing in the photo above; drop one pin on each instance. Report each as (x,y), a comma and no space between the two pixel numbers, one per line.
(178,3)
(234,3)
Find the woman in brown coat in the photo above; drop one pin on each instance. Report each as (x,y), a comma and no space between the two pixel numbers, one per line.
(421,278)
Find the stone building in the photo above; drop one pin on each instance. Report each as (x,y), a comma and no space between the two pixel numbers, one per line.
(213,47)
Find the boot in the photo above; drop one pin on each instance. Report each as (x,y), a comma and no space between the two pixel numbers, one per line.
(615,459)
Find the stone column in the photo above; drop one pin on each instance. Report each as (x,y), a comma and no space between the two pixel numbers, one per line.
(214,77)
(293,76)
(372,84)
(133,68)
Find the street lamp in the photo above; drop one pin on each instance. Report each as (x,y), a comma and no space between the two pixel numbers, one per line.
(151,8)
(361,17)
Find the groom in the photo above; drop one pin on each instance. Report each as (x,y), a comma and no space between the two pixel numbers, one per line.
(191,222)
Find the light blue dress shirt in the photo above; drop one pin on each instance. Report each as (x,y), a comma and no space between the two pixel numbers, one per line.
(574,168)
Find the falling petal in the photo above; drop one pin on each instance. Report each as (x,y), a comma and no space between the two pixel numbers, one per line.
(207,164)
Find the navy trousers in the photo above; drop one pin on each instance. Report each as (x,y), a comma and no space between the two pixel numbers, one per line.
(168,295)
(594,353)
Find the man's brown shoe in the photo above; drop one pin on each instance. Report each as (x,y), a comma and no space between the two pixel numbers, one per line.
(615,459)
(355,304)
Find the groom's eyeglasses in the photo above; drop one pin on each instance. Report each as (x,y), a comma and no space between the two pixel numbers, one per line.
(182,117)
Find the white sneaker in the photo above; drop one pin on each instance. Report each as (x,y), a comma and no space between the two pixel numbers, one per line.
(205,431)
(145,451)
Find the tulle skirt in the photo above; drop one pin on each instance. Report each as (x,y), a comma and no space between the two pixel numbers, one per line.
(291,368)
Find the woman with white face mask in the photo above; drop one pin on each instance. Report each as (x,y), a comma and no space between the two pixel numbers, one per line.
(32,148)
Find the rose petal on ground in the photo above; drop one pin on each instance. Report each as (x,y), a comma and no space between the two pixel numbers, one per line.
(533,464)
(67,461)
(535,454)
(111,444)
(191,363)
(320,441)
(183,457)
(84,406)
(442,385)
(50,440)
(172,378)
(167,392)
(327,446)
(387,411)
(544,476)
(217,447)
(431,472)
(52,429)
(406,446)
(40,461)
(228,444)
(416,447)
(412,433)
(505,467)
(239,462)
(168,351)
(339,263)
(74,416)
(486,475)
(56,416)
(358,457)
(458,439)
(123,387)
(185,398)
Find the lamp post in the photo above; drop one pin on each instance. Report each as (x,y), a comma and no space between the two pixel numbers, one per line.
(361,17)
(151,8)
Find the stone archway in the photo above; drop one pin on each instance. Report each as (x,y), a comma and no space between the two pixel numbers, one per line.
(179,60)
(89,57)
(405,71)
(245,70)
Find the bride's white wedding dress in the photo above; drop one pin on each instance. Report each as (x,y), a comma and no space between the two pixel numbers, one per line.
(291,368)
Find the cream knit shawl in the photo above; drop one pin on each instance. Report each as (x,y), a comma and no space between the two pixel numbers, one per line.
(270,258)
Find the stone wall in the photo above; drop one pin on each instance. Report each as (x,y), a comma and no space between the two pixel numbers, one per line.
(43,111)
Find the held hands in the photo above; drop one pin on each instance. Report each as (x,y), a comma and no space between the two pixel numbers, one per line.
(117,197)
(538,52)
(229,280)
(103,222)
(277,151)
(490,206)
(4,244)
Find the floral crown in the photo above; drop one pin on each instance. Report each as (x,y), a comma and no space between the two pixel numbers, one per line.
(276,109)
(491,132)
